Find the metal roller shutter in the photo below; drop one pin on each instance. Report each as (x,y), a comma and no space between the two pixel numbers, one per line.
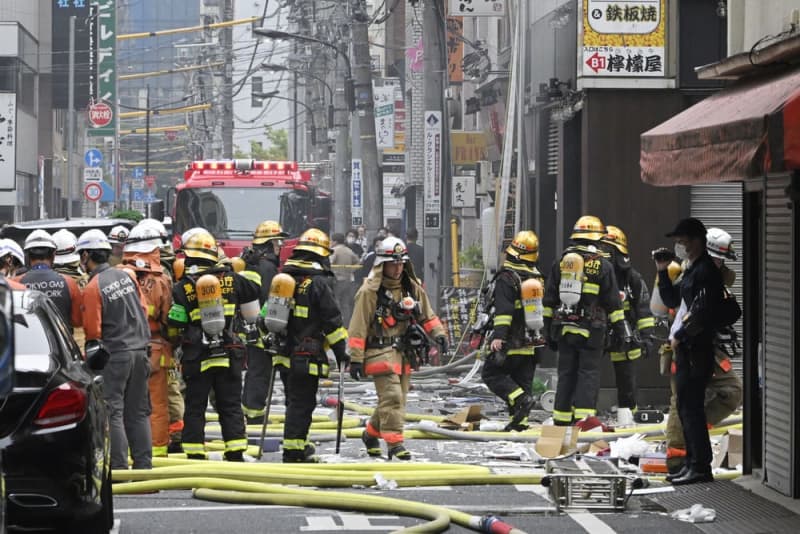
(779,446)
(720,205)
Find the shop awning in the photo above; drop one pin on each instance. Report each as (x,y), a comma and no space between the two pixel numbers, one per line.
(741,132)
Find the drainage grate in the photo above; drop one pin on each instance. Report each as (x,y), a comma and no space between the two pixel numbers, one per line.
(738,510)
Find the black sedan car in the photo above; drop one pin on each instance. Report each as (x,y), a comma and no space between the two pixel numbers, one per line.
(55,426)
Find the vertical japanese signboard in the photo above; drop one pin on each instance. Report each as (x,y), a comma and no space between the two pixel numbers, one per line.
(356,208)
(106,77)
(8,140)
(622,38)
(432,150)
(384,115)
(455,49)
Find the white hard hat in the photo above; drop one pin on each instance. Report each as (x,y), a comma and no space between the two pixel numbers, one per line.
(118,234)
(143,238)
(9,246)
(158,225)
(391,249)
(93,239)
(720,244)
(66,243)
(39,239)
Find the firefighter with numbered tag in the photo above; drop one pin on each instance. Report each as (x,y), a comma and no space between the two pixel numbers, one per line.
(314,324)
(205,301)
(389,333)
(517,322)
(581,300)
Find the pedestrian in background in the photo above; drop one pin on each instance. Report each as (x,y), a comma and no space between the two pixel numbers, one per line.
(344,263)
(351,239)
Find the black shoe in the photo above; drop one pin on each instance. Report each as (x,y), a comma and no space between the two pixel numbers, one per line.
(302,459)
(234,456)
(195,456)
(520,410)
(373,445)
(693,477)
(682,472)
(400,452)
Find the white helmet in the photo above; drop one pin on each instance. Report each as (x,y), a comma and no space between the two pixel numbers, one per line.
(93,239)
(117,235)
(66,243)
(391,249)
(9,246)
(39,239)
(720,244)
(158,225)
(143,238)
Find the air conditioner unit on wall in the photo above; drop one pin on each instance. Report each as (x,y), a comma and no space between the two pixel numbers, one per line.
(485,181)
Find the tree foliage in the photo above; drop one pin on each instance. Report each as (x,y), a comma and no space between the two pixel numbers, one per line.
(278,149)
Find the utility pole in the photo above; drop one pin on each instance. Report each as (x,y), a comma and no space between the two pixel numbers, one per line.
(437,251)
(70,113)
(226,36)
(365,107)
(342,197)
(147,132)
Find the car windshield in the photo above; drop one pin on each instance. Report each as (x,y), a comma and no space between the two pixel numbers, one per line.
(32,344)
(229,212)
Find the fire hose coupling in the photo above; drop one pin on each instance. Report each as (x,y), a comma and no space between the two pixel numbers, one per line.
(494,525)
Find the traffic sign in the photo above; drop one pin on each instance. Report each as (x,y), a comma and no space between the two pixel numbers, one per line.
(93,174)
(137,183)
(137,195)
(138,172)
(137,205)
(150,180)
(100,114)
(93,191)
(93,158)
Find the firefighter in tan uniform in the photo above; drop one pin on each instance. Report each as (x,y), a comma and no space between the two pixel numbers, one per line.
(141,254)
(392,319)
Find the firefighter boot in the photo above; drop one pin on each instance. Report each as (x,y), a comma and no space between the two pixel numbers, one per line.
(234,456)
(400,452)
(519,413)
(372,444)
(299,457)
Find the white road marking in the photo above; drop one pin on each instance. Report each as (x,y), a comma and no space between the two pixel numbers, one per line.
(182,509)
(591,523)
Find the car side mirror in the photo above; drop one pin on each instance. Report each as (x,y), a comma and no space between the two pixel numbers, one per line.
(96,355)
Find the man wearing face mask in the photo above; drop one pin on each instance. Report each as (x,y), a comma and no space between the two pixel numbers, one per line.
(697,296)
(724,393)
(636,304)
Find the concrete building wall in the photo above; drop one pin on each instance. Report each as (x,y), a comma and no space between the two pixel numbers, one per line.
(750,20)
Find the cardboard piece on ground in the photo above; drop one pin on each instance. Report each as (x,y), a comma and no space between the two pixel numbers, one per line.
(735,447)
(467,419)
(557,440)
(598,446)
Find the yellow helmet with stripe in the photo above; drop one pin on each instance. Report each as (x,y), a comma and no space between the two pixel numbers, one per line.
(588,227)
(267,231)
(201,245)
(315,241)
(524,246)
(616,238)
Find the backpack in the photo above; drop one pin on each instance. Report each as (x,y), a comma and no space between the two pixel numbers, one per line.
(485,309)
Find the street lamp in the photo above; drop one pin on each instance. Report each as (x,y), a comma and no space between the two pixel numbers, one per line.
(276,94)
(282,68)
(349,91)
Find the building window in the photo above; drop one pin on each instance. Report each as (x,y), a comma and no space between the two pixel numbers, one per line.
(256,86)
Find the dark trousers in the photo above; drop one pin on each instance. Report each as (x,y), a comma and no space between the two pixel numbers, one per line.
(625,372)
(694,368)
(226,383)
(256,381)
(515,372)
(301,398)
(578,380)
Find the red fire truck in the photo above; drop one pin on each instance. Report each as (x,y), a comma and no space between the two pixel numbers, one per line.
(230,198)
